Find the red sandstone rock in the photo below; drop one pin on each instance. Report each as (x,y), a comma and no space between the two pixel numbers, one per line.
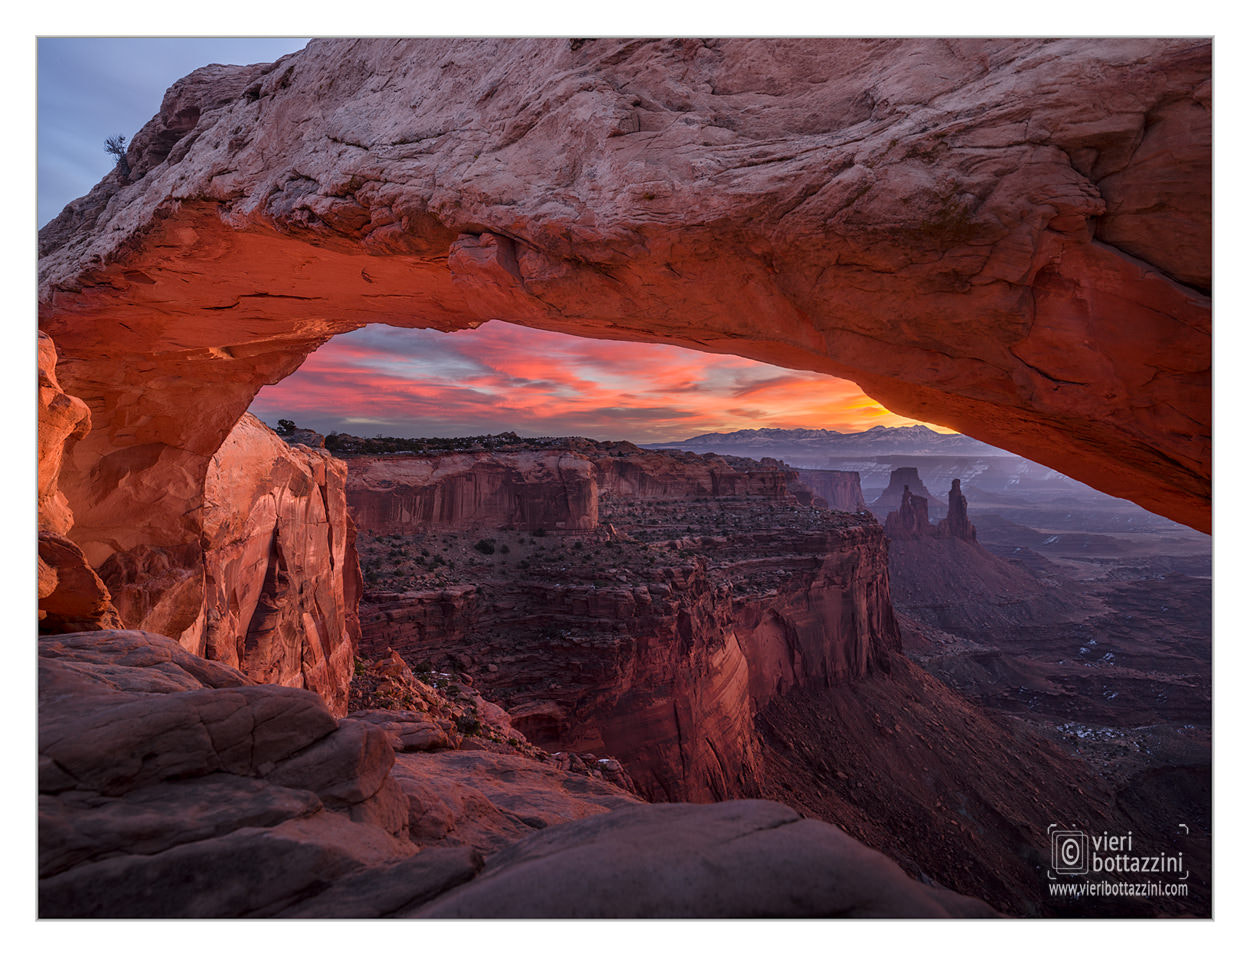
(71,595)
(280,569)
(486,801)
(621,642)
(271,585)
(538,490)
(840,490)
(61,418)
(956,524)
(912,518)
(820,204)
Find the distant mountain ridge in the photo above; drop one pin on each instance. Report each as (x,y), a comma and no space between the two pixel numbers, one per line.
(879,440)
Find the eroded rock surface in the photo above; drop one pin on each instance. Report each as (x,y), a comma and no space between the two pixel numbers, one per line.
(763,860)
(171,786)
(840,489)
(902,481)
(956,523)
(71,595)
(1007,237)
(271,585)
(701,590)
(542,489)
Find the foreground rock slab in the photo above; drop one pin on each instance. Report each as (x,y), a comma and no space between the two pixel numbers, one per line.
(734,859)
(171,786)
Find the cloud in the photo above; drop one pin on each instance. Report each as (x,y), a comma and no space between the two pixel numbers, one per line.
(387,381)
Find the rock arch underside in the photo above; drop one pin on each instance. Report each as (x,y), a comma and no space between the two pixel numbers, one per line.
(1011,238)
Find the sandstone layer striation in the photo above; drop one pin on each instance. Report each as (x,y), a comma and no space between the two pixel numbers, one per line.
(652,624)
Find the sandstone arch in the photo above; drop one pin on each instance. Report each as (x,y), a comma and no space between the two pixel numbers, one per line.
(1008,238)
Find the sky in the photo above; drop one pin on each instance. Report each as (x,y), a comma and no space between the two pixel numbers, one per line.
(384,381)
(92,88)
(498,378)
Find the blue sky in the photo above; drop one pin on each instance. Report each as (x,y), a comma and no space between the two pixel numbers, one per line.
(92,88)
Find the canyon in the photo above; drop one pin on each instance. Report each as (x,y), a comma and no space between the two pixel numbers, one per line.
(649,612)
(281,679)
(746,703)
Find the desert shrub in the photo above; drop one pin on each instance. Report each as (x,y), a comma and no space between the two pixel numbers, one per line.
(116,145)
(485,545)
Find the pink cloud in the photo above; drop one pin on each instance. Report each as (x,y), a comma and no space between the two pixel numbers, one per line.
(384,381)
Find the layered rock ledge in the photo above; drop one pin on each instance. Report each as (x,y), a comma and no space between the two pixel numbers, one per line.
(171,786)
(667,598)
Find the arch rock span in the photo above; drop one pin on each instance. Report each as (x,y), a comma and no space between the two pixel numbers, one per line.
(1010,238)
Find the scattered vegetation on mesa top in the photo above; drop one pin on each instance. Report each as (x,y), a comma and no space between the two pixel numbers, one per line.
(116,145)
(342,444)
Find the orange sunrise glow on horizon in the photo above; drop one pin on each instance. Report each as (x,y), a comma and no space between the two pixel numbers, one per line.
(382,380)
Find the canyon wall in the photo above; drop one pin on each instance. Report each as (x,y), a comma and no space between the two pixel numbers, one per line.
(547,490)
(654,636)
(71,595)
(629,473)
(841,490)
(272,585)
(817,204)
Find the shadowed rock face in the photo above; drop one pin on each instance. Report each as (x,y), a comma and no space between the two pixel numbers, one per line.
(840,490)
(1010,238)
(652,862)
(912,518)
(544,490)
(956,523)
(902,481)
(272,584)
(71,595)
(171,786)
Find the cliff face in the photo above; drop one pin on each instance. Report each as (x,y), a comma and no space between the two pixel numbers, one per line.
(400,494)
(272,585)
(779,199)
(901,479)
(841,490)
(71,595)
(636,475)
(654,637)
(281,567)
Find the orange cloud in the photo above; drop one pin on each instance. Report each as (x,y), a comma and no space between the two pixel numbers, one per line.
(385,381)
